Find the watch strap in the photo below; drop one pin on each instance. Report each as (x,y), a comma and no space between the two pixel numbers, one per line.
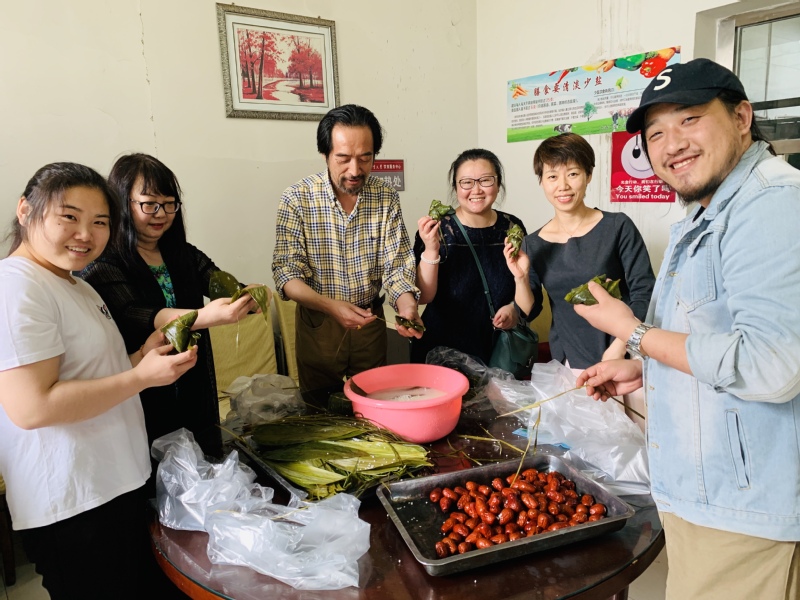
(634,344)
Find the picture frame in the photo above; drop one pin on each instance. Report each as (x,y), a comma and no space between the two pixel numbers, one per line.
(276,65)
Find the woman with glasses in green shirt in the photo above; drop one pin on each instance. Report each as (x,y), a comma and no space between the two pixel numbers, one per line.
(152,275)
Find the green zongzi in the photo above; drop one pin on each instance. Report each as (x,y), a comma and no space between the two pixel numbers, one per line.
(179,332)
(582,295)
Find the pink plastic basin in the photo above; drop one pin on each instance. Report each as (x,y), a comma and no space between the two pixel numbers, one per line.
(418,421)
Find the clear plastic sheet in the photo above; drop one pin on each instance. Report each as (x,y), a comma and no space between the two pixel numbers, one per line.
(309,546)
(599,433)
(263,398)
(187,484)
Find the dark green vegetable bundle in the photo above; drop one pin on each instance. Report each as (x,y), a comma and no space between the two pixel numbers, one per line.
(179,332)
(225,285)
(327,454)
(515,235)
(582,295)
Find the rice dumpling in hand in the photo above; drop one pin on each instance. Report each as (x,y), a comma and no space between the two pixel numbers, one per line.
(225,285)
(409,323)
(179,332)
(515,235)
(582,295)
(439,210)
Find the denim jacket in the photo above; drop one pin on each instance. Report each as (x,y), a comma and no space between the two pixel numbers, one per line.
(724,444)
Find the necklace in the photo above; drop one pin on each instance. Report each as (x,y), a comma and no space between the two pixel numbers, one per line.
(574,231)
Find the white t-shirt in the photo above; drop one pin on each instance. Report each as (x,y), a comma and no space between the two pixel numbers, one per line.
(53,473)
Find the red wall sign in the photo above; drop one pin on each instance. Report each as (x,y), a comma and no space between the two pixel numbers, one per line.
(391,171)
(632,177)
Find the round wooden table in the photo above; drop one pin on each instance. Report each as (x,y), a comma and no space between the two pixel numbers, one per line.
(594,569)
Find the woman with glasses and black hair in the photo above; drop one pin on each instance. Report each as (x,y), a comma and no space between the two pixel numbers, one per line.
(458,315)
(152,275)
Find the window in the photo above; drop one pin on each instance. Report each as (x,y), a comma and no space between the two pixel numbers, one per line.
(768,63)
(766,57)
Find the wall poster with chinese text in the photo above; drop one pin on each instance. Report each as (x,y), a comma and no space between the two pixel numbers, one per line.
(392,172)
(595,98)
(632,177)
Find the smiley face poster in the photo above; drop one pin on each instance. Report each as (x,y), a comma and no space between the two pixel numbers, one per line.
(632,177)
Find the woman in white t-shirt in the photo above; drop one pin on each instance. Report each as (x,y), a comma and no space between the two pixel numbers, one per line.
(73,448)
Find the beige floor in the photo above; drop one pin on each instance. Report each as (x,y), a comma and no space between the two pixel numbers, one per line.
(650,586)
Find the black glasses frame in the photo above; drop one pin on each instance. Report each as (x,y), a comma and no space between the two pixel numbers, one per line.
(468,183)
(156,206)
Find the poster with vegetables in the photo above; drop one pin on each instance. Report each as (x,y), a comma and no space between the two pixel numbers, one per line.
(632,177)
(594,98)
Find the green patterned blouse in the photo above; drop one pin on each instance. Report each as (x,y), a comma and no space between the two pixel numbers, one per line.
(165,283)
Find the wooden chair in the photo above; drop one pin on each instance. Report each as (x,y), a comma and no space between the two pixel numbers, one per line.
(6,541)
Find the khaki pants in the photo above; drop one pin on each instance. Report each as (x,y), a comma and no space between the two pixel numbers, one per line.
(327,352)
(709,564)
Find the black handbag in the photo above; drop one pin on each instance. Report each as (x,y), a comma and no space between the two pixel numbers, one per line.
(515,349)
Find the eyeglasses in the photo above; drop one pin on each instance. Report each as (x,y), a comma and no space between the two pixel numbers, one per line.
(468,184)
(152,208)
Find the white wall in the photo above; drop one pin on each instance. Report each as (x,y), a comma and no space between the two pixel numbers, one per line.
(88,80)
(518,38)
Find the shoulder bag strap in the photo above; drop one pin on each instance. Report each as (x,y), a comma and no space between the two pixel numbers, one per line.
(477,262)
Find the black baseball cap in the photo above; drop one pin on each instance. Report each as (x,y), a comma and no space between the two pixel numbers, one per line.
(695,82)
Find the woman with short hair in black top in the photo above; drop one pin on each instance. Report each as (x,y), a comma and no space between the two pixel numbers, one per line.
(577,244)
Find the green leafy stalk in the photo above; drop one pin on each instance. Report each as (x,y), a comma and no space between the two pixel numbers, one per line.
(327,454)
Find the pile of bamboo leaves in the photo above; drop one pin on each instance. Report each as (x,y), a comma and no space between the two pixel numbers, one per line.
(327,454)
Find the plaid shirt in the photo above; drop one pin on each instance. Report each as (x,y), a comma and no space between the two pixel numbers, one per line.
(341,256)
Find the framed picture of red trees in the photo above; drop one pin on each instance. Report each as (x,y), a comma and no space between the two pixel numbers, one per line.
(275,65)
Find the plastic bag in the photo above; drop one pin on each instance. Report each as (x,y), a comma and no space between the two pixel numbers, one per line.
(311,546)
(187,484)
(263,398)
(598,432)
(478,374)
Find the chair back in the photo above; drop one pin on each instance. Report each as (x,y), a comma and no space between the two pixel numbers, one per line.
(541,324)
(245,348)
(286,315)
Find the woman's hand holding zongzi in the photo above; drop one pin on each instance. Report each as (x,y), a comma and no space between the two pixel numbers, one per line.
(429,234)
(154,340)
(519,264)
(223,312)
(609,315)
(158,367)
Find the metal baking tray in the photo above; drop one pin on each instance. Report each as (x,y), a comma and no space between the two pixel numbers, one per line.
(419,520)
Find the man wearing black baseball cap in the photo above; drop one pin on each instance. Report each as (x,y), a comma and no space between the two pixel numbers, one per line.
(720,351)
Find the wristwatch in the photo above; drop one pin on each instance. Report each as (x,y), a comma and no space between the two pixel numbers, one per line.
(634,345)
